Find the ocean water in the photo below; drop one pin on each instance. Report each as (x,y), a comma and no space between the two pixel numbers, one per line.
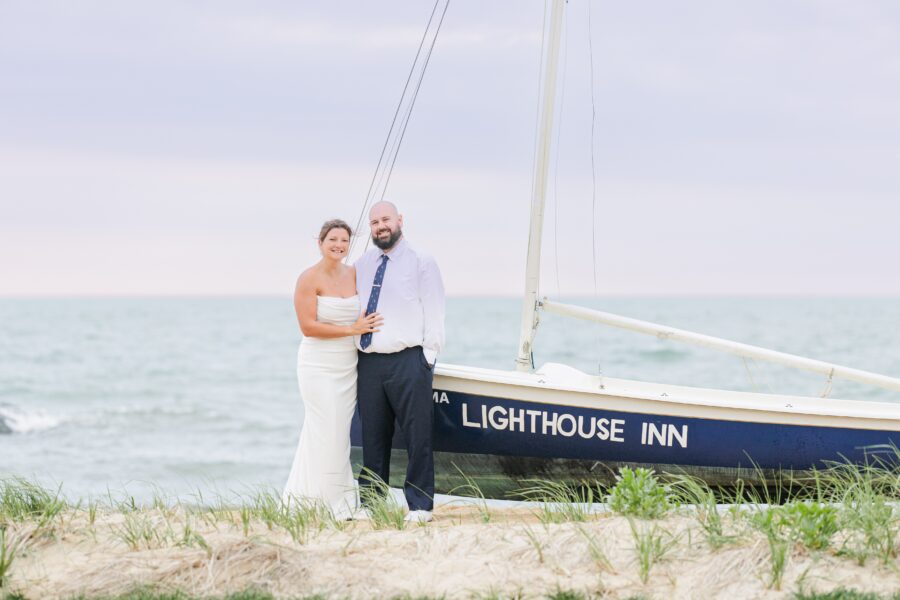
(199,396)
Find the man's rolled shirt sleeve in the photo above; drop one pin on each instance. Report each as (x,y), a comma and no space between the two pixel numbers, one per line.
(431,290)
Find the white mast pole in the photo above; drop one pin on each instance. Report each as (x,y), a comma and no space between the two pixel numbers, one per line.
(539,189)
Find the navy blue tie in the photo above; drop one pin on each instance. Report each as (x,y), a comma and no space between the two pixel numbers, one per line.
(366,338)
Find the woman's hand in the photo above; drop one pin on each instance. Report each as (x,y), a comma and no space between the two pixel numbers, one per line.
(367,324)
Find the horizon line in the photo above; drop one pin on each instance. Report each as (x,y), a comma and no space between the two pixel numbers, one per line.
(574,296)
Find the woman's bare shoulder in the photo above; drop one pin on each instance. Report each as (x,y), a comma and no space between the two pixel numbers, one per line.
(308,279)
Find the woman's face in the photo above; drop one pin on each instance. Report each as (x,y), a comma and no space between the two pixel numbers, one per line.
(336,244)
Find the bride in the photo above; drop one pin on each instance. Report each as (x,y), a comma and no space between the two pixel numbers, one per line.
(328,311)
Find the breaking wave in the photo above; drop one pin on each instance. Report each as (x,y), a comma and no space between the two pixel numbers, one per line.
(15,420)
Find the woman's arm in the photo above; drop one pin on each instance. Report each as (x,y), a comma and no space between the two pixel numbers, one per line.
(305,306)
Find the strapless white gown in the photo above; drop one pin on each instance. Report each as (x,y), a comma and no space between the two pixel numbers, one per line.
(326,370)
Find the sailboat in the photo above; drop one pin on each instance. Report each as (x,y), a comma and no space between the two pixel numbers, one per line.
(500,428)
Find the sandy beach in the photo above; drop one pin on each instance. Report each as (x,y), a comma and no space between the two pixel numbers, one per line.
(468,551)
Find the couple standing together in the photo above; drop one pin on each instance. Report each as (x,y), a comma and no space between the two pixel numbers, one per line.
(379,356)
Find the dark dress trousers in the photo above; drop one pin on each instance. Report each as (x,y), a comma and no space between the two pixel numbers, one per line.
(397,386)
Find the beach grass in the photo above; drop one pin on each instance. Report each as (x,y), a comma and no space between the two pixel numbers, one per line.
(559,502)
(7,555)
(693,492)
(145,594)
(382,508)
(805,539)
(845,594)
(595,550)
(470,489)
(21,500)
(651,544)
(561,594)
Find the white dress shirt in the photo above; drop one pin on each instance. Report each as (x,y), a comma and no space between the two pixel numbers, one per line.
(411,300)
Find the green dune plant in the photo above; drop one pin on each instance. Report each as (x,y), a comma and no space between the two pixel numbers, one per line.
(811,523)
(637,492)
(862,499)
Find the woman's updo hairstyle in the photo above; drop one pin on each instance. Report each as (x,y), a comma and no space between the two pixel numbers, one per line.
(334,224)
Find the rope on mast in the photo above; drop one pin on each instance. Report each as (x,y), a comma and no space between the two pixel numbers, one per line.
(412,103)
(391,148)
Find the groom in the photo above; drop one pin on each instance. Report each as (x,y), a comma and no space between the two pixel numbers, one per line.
(396,363)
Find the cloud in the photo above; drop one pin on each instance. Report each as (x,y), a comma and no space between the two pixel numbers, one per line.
(335,36)
(738,147)
(85,224)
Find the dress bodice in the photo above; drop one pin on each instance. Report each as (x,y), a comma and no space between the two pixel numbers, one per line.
(337,310)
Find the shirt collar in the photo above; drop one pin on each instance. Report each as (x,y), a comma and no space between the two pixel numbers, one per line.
(398,250)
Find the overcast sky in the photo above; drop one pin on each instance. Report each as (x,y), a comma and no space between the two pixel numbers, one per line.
(173,147)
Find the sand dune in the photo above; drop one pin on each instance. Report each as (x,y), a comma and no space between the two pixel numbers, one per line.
(456,556)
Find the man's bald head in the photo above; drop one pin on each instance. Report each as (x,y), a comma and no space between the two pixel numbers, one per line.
(386,224)
(383,206)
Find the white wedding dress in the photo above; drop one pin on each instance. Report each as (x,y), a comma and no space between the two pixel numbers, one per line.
(326,370)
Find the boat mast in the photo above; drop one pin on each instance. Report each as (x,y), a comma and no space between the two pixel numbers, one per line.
(539,189)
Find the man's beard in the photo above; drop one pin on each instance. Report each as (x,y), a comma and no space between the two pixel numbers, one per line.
(388,243)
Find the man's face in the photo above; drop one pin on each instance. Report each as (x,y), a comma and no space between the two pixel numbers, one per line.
(386,226)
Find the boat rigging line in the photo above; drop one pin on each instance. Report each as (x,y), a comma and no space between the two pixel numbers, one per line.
(394,139)
(593,147)
(562,102)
